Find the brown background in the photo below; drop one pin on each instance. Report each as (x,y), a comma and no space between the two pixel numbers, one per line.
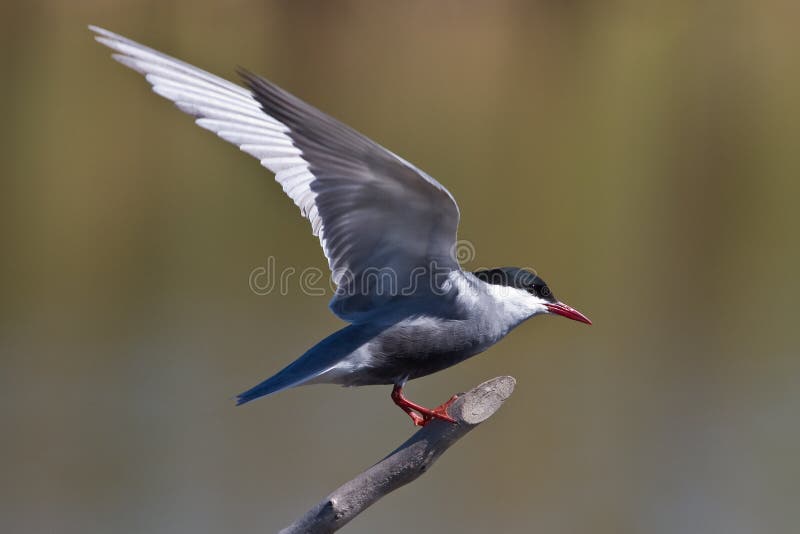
(643,156)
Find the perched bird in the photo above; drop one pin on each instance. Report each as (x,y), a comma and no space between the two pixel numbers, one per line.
(387,229)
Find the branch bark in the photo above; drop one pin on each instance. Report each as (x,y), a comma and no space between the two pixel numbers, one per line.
(407,462)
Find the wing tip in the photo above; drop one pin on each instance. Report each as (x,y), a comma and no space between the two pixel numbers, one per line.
(104,33)
(250,79)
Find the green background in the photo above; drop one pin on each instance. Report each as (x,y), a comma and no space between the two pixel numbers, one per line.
(643,156)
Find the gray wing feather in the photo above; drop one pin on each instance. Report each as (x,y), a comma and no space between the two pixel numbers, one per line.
(370,209)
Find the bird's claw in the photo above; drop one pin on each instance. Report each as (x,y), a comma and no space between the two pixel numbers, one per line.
(440,412)
(421,415)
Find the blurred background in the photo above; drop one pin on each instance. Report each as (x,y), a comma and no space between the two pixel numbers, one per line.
(643,156)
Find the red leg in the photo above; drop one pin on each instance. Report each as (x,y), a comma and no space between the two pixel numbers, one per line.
(420,414)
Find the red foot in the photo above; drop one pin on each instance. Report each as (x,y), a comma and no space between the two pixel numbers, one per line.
(419,414)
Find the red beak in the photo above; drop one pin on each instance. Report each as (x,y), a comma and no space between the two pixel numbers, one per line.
(562,309)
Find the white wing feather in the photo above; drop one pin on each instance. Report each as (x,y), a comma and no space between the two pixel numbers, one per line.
(369,208)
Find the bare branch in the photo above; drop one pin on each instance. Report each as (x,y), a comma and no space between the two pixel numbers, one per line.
(407,462)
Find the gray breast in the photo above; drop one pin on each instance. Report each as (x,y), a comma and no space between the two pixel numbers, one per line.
(420,346)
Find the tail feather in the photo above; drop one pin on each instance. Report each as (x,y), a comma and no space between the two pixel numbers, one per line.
(271,385)
(315,362)
(296,373)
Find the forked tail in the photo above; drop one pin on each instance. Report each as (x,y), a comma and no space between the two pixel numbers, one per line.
(284,379)
(315,362)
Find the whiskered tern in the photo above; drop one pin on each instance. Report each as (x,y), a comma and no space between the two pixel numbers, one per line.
(388,231)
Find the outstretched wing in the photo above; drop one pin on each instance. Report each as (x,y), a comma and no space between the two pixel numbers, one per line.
(375,214)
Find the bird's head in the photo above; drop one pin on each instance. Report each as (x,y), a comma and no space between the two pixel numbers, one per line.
(529,291)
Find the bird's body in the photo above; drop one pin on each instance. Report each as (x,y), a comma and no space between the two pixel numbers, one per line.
(387,229)
(420,336)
